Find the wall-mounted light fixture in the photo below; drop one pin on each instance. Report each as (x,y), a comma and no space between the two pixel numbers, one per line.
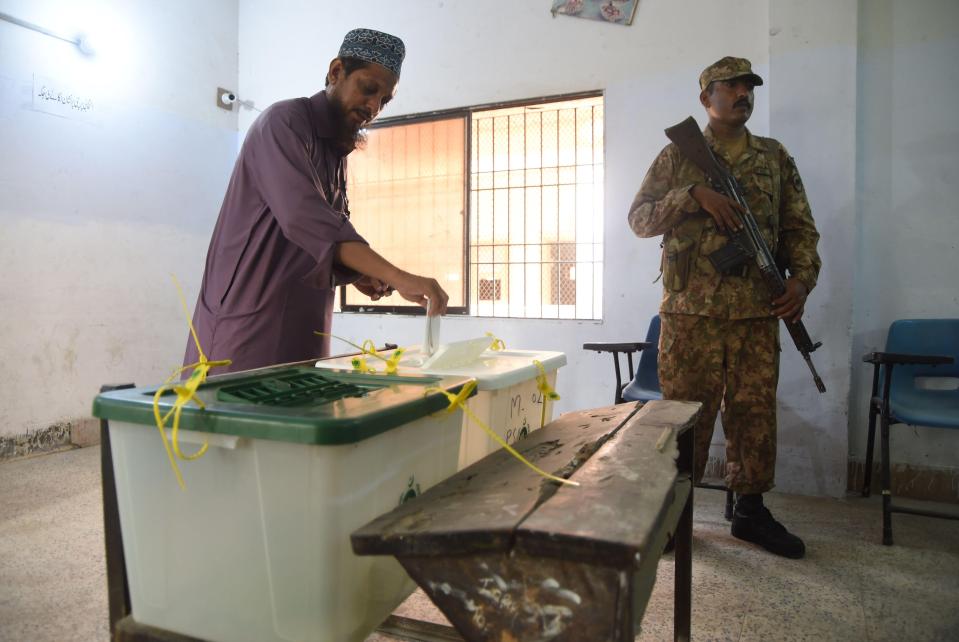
(81,42)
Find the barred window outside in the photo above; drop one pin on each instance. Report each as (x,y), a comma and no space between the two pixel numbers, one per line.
(502,205)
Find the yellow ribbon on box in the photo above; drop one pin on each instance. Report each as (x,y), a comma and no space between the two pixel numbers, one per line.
(542,384)
(369,348)
(459,401)
(185,393)
(497,345)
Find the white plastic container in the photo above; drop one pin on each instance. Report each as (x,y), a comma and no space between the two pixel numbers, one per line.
(507,399)
(257,548)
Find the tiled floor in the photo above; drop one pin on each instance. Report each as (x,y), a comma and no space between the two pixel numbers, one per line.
(849,587)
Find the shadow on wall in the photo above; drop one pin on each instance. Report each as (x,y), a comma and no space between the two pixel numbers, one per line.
(803,462)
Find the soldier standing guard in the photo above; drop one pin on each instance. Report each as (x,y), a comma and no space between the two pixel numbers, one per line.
(719,342)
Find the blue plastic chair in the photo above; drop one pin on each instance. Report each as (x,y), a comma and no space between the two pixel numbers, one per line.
(915,348)
(644,384)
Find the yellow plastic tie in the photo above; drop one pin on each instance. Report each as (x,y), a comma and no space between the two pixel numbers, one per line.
(459,401)
(185,393)
(497,344)
(394,361)
(549,394)
(369,348)
(359,363)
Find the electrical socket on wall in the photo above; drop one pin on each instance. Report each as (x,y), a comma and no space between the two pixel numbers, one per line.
(225,99)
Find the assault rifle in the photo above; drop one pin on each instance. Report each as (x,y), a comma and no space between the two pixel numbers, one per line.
(746,245)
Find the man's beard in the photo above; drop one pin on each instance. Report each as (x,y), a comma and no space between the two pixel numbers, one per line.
(347,137)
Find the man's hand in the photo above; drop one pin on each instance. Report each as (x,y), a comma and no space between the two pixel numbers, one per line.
(373,288)
(789,307)
(420,290)
(724,210)
(416,289)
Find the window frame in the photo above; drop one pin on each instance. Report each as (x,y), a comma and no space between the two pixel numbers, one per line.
(466,113)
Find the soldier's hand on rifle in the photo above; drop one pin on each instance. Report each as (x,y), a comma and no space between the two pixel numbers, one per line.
(722,208)
(789,307)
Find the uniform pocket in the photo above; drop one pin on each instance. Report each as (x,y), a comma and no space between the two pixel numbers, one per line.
(678,253)
(763,203)
(765,187)
(764,182)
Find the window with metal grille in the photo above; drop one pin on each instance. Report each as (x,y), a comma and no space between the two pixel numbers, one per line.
(490,289)
(509,219)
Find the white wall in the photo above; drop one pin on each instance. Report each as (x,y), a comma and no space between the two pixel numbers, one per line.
(95,214)
(812,94)
(907,217)
(463,53)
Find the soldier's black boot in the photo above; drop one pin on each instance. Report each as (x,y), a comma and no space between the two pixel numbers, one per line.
(754,523)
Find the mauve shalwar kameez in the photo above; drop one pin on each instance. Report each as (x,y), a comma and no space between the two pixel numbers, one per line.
(270,274)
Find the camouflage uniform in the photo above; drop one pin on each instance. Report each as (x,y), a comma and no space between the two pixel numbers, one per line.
(719,343)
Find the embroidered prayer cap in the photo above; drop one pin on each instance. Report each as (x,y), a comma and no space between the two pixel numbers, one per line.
(374,46)
(726,69)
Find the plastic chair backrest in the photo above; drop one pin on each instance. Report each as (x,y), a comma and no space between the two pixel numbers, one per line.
(930,403)
(646,373)
(645,383)
(924,336)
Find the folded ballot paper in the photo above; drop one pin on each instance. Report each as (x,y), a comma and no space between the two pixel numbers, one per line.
(432,340)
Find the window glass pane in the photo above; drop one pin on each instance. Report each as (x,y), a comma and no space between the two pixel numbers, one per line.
(566,123)
(534,140)
(550,137)
(550,176)
(407,191)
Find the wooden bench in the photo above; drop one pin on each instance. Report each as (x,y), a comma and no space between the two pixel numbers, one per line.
(507,555)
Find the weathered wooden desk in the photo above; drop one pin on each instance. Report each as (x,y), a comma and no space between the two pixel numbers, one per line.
(508,556)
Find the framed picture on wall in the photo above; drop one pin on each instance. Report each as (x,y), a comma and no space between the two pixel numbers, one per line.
(614,11)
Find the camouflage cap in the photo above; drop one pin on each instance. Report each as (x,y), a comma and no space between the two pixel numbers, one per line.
(726,69)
